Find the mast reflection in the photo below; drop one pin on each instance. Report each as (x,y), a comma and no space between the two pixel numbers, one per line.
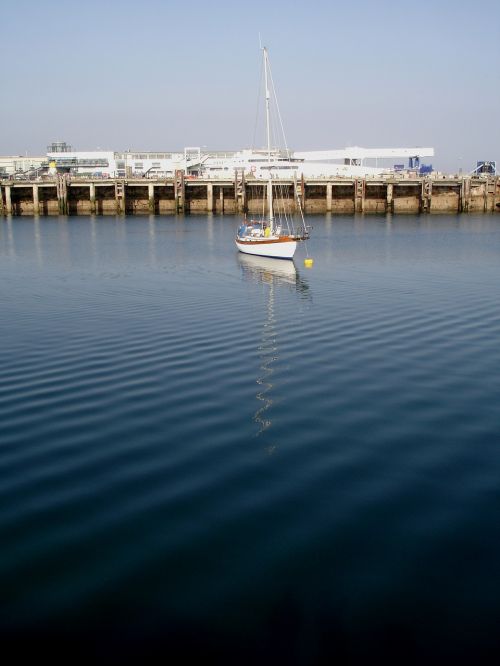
(278,275)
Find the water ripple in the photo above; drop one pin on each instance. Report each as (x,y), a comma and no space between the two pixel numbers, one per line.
(186,431)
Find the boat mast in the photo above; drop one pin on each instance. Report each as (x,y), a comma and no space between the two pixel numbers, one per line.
(268,128)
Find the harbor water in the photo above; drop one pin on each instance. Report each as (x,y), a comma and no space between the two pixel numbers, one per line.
(208,455)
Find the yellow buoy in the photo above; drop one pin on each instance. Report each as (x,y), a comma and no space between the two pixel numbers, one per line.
(308,262)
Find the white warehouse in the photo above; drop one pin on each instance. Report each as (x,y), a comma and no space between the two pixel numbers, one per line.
(348,162)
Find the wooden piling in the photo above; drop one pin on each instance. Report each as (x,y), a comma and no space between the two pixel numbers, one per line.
(36,201)
(210,197)
(8,200)
(120,197)
(329,197)
(490,193)
(179,191)
(58,190)
(62,194)
(92,198)
(468,194)
(221,199)
(299,193)
(359,195)
(239,191)
(244,207)
(389,198)
(426,196)
(151,197)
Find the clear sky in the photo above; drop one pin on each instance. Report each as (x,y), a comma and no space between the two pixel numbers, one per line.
(161,75)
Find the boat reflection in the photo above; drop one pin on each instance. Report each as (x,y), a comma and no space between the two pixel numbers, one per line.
(275,272)
(279,276)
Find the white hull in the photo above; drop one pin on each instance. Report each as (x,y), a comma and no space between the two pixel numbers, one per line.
(261,248)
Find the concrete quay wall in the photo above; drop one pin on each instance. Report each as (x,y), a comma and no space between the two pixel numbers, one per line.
(73,196)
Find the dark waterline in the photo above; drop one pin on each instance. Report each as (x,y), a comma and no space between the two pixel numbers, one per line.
(204,455)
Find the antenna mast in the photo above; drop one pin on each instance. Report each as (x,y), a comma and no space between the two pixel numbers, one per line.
(268,129)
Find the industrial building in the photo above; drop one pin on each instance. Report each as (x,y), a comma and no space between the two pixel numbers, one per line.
(195,162)
(18,164)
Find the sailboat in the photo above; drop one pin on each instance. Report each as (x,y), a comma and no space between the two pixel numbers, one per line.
(274,235)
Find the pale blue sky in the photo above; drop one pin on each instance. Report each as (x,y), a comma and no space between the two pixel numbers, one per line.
(161,75)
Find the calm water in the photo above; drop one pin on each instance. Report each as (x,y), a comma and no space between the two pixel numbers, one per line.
(212,456)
